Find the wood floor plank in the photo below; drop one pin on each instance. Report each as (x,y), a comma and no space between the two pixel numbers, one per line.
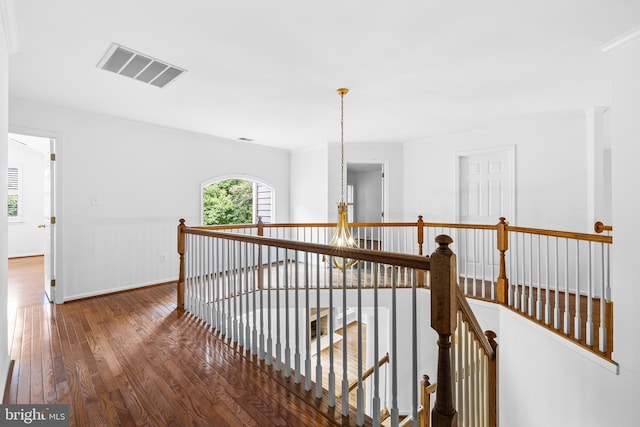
(131,359)
(48,364)
(24,386)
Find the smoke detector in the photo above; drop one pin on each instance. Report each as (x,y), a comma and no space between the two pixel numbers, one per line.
(138,66)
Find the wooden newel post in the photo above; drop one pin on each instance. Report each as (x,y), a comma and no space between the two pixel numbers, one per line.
(443,320)
(503,246)
(492,380)
(260,226)
(181,252)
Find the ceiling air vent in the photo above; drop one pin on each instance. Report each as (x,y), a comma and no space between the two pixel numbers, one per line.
(127,62)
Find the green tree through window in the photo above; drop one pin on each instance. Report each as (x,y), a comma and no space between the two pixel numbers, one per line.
(228,202)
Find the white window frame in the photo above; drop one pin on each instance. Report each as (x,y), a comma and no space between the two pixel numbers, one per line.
(251,179)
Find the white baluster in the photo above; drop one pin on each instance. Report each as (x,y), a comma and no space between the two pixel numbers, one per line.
(307,306)
(278,332)
(556,311)
(394,351)
(414,346)
(360,390)
(602,332)
(332,374)
(567,315)
(261,272)
(318,332)
(287,323)
(589,325)
(539,278)
(547,303)
(270,310)
(240,263)
(577,332)
(297,320)
(376,353)
(345,376)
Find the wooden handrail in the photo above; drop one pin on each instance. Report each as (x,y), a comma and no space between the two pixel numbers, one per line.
(366,374)
(392,258)
(467,314)
(565,234)
(599,227)
(540,231)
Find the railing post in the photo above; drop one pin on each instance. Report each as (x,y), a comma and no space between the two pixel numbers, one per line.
(503,246)
(492,398)
(260,226)
(443,321)
(420,234)
(425,401)
(421,274)
(181,252)
(260,272)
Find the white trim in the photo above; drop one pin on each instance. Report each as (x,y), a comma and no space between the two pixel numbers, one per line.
(621,40)
(607,365)
(121,289)
(10,25)
(58,211)
(385,183)
(511,152)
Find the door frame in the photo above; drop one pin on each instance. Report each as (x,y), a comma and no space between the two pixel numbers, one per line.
(56,174)
(510,150)
(384,190)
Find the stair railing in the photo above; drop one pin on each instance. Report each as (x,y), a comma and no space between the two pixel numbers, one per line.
(263,294)
(560,279)
(556,278)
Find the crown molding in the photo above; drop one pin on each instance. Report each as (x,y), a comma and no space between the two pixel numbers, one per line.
(621,40)
(10,25)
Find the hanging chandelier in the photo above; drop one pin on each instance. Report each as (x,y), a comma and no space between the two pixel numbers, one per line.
(342,237)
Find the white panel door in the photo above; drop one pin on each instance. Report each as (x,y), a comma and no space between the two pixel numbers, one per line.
(485,193)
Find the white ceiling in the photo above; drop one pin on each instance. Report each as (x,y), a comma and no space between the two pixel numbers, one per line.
(268,70)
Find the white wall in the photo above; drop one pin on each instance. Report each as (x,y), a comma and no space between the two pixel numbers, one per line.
(124,185)
(543,380)
(546,380)
(626,205)
(309,185)
(4,131)
(550,172)
(25,238)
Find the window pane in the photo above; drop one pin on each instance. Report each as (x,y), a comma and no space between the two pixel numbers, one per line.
(12,205)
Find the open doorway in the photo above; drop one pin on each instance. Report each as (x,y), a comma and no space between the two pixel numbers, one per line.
(365,192)
(31,221)
(365,201)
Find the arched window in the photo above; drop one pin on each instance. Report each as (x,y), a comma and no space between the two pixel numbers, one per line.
(236,201)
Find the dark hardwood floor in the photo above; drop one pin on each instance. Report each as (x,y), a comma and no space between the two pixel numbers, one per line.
(131,359)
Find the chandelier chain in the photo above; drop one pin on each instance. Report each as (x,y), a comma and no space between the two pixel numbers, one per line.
(342,147)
